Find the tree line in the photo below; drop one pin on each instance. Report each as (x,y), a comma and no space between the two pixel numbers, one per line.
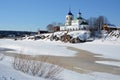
(96,24)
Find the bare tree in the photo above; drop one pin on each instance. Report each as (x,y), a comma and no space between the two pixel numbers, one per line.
(60,24)
(100,21)
(97,23)
(50,28)
(92,22)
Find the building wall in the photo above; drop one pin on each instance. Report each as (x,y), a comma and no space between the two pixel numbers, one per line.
(75,27)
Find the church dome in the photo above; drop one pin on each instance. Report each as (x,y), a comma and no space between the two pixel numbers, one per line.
(79,16)
(79,13)
(70,13)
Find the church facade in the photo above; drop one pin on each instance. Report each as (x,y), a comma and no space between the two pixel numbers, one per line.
(71,24)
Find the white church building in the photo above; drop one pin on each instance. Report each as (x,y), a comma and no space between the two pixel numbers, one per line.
(71,24)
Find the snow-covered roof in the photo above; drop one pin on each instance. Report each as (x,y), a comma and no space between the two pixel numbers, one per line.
(111,26)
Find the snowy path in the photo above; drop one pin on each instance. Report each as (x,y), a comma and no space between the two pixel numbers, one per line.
(83,62)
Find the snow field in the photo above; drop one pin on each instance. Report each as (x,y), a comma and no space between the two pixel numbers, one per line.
(107,49)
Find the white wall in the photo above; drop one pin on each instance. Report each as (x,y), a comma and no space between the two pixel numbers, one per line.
(75,27)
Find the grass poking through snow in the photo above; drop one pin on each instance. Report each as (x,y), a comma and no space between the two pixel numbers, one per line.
(37,68)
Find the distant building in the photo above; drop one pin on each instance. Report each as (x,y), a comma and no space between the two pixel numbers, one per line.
(110,27)
(74,24)
(56,28)
(42,31)
(53,28)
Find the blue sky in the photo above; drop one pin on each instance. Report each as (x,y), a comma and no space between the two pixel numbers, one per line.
(31,15)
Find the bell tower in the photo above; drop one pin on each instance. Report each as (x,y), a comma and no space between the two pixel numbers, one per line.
(69,18)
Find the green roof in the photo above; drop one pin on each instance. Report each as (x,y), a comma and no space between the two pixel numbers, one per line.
(79,18)
(84,23)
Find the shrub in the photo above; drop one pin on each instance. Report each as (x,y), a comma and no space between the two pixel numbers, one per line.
(37,68)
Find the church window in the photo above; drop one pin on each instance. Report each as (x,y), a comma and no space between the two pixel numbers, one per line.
(67,18)
(84,28)
(76,29)
(73,29)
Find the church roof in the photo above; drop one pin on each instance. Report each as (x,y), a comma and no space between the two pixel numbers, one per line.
(79,18)
(111,26)
(84,23)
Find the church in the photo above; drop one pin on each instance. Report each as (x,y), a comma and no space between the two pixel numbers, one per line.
(72,24)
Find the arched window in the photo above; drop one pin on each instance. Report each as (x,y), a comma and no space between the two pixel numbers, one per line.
(84,28)
(73,29)
(71,18)
(67,18)
(76,29)
(68,29)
